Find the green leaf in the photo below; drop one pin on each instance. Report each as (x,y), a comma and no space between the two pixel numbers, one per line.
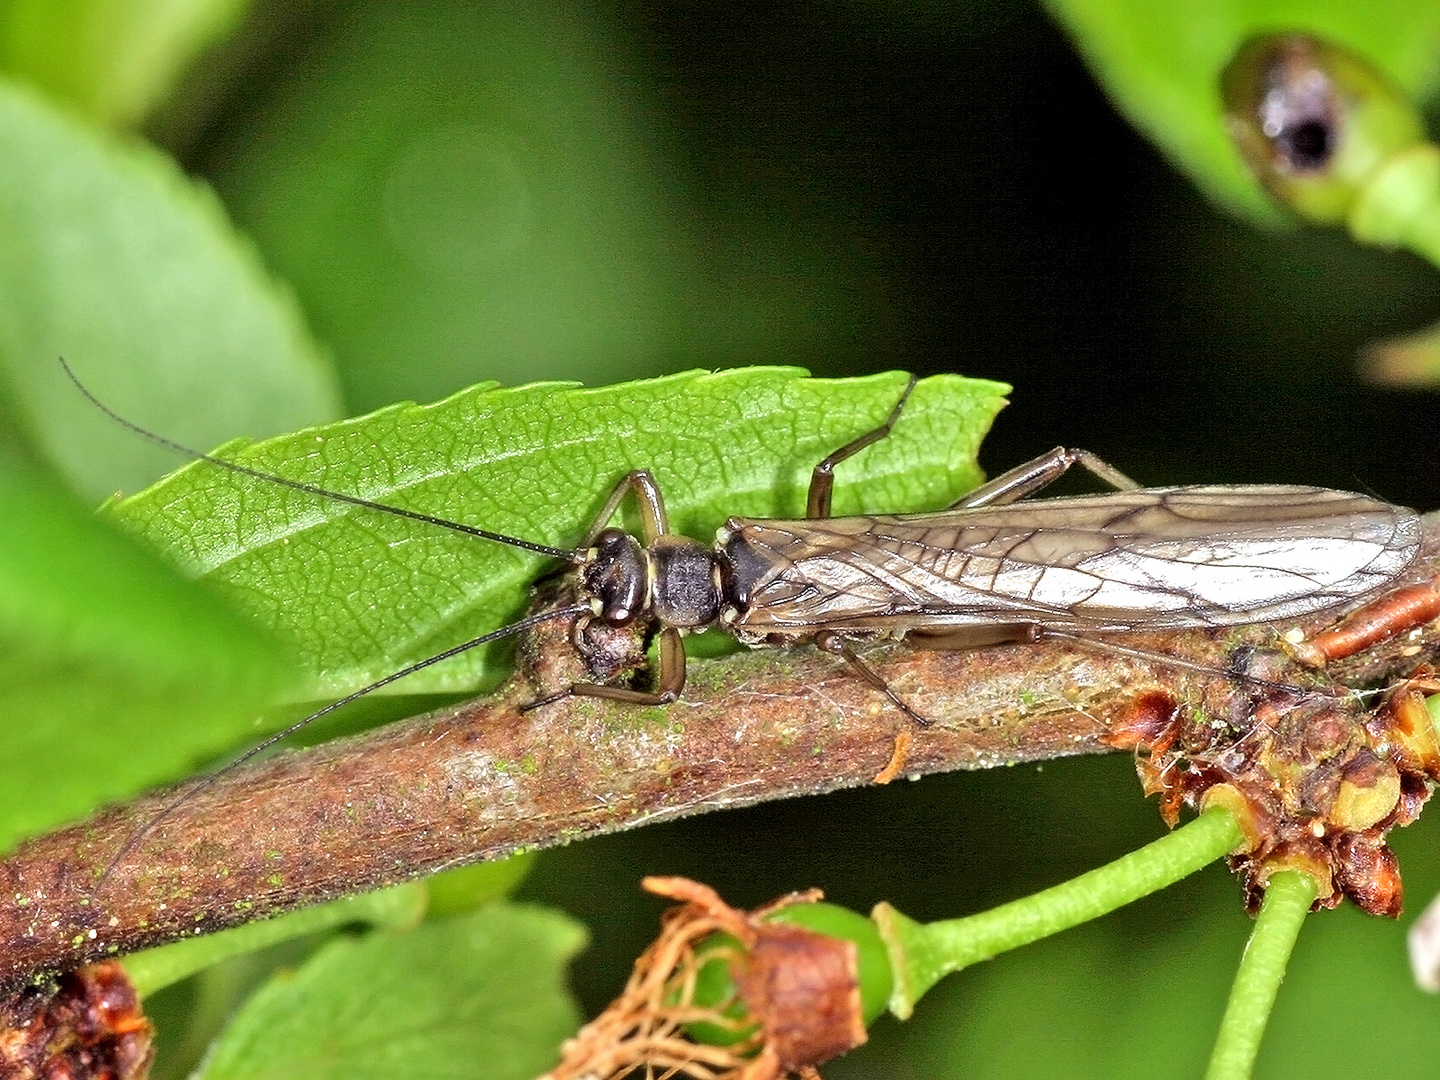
(231,965)
(400,907)
(453,892)
(114,260)
(113,671)
(477,995)
(112,60)
(358,594)
(1161,65)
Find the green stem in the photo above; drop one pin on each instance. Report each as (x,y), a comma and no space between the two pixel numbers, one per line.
(921,955)
(1288,896)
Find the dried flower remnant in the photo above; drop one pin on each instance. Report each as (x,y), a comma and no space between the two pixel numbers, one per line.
(86,1025)
(796,1001)
(1316,777)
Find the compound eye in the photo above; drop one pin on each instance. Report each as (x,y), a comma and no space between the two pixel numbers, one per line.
(617,577)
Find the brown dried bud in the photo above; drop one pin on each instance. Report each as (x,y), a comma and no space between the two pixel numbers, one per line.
(1145,721)
(1311,860)
(1252,822)
(804,988)
(801,988)
(1369,874)
(85,1026)
(1411,733)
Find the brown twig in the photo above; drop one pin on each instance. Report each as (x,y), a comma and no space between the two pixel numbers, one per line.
(483,779)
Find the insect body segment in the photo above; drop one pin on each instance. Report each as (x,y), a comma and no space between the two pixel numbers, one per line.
(1135,560)
(993,568)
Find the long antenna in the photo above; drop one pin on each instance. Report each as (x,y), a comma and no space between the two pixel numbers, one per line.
(505,631)
(568,555)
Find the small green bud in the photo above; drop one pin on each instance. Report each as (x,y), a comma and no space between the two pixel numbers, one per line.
(1316,124)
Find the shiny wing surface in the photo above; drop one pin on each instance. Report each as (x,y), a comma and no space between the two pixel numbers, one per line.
(1152,558)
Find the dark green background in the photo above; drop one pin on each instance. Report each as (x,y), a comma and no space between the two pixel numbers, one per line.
(851,188)
(458,192)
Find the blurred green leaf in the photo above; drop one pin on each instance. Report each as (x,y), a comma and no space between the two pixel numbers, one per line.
(1411,360)
(114,260)
(358,594)
(476,995)
(113,672)
(111,60)
(400,907)
(466,191)
(1161,65)
(465,888)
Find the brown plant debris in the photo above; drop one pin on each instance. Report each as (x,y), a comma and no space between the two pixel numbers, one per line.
(1316,776)
(86,1025)
(796,1005)
(1398,611)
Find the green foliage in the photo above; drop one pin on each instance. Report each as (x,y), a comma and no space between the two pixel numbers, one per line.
(474,994)
(118,674)
(398,909)
(113,60)
(454,892)
(114,260)
(534,462)
(113,672)
(1161,64)
(228,967)
(493,187)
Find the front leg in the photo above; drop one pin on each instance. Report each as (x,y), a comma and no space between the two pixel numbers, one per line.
(669,685)
(822,479)
(654,521)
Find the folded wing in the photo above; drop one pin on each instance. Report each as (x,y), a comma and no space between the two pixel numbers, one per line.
(1148,559)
